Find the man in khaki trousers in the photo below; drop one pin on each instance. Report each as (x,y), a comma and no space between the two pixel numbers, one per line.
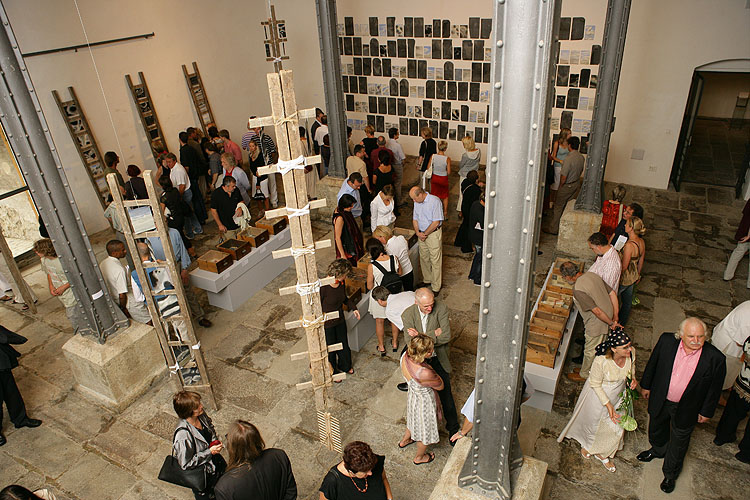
(427,221)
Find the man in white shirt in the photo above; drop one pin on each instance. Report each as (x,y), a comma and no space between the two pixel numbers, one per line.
(179,177)
(395,304)
(321,131)
(607,265)
(427,221)
(117,278)
(398,162)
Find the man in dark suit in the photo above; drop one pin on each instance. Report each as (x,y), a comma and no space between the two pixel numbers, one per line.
(682,382)
(9,393)
(431,318)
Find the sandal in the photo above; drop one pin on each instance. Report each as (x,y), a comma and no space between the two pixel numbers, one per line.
(25,307)
(6,298)
(585,454)
(411,441)
(611,467)
(432,457)
(382,353)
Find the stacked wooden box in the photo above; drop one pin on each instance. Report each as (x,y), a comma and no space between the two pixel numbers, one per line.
(548,322)
(256,236)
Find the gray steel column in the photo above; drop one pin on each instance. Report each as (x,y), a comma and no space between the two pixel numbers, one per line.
(329,57)
(522,44)
(24,124)
(602,124)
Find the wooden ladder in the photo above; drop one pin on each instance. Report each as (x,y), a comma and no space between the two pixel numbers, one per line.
(199,97)
(84,141)
(174,343)
(150,122)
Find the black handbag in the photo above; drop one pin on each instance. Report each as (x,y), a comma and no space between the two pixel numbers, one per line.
(171,472)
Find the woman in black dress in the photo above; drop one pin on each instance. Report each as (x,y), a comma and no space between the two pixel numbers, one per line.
(426,150)
(383,175)
(172,199)
(471,189)
(360,475)
(346,233)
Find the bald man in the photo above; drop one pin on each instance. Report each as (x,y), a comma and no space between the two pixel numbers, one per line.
(682,382)
(431,318)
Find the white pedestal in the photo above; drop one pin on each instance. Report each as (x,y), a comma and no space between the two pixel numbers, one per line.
(544,379)
(230,289)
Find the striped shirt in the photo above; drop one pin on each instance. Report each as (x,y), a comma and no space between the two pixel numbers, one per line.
(265,144)
(608,268)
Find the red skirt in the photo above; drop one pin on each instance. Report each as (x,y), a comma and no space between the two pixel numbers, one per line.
(439,186)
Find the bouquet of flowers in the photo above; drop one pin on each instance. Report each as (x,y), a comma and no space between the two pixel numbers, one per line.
(627,418)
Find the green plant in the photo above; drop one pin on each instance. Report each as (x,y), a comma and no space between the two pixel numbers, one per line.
(627,418)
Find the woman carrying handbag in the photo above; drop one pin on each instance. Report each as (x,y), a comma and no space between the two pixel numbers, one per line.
(196,460)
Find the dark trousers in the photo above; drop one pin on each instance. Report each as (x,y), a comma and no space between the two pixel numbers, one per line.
(408,281)
(341,361)
(669,441)
(199,207)
(446,397)
(11,396)
(734,412)
(626,299)
(475,273)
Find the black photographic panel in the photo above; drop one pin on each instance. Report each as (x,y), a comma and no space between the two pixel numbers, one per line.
(583,81)
(564,32)
(563,74)
(440,89)
(427,108)
(428,30)
(463,91)
(357,46)
(430,89)
(411,68)
(366,50)
(443,133)
(373,26)
(353,87)
(411,43)
(357,65)
(486,28)
(486,69)
(452,92)
(374,47)
(478,135)
(371,120)
(433,124)
(348,46)
(349,26)
(372,104)
(268,51)
(585,140)
(457,53)
(413,127)
(419,27)
(445,110)
(446,28)
(390,26)
(566,119)
(386,67)
(362,84)
(464,113)
(403,87)
(403,126)
(383,105)
(455,114)
(596,54)
(479,50)
(573,95)
(467,48)
(436,31)
(423,124)
(437,49)
(349,102)
(448,70)
(573,80)
(577,28)
(408,26)
(345,84)
(560,101)
(393,87)
(461,131)
(401,107)
(377,67)
(474,92)
(422,69)
(366,66)
(401,42)
(473,27)
(392,106)
(447,49)
(476,72)
(380,123)
(392,48)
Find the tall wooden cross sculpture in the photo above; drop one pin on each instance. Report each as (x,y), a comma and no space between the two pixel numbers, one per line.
(285,119)
(275,40)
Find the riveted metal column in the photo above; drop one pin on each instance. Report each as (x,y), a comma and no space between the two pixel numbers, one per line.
(334,91)
(602,123)
(522,43)
(28,133)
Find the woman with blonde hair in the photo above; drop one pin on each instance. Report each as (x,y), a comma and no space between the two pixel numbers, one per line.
(469,162)
(560,150)
(441,169)
(633,254)
(254,471)
(397,246)
(423,411)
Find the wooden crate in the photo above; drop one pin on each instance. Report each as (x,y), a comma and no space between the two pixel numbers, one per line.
(274,225)
(556,303)
(546,332)
(215,261)
(357,278)
(541,350)
(354,293)
(254,235)
(550,321)
(409,234)
(364,262)
(557,284)
(236,248)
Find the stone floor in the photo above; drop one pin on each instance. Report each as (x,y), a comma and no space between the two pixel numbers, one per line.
(248,352)
(716,153)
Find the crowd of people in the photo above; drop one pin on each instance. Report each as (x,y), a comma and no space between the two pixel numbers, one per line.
(682,380)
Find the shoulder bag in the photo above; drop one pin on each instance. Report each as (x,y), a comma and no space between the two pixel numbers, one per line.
(171,472)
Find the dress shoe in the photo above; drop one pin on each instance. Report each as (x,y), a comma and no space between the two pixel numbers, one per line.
(576,377)
(667,486)
(647,456)
(739,456)
(403,386)
(28,422)
(2,440)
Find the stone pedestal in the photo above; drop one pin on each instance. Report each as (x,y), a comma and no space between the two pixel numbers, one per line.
(575,228)
(115,373)
(328,188)
(528,483)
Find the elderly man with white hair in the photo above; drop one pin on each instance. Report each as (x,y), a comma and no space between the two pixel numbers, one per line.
(682,382)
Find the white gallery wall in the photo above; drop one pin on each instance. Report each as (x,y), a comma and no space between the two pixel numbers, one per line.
(666,40)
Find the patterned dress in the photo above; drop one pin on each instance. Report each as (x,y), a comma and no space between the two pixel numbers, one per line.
(421,412)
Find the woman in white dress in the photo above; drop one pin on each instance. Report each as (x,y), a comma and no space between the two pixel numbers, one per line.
(381,208)
(594,423)
(399,248)
(375,274)
(423,412)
